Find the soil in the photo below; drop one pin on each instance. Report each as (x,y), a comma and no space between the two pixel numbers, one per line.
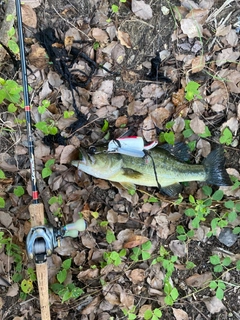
(147,38)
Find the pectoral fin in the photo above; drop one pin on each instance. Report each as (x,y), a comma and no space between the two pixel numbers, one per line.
(130,173)
(128,185)
(173,190)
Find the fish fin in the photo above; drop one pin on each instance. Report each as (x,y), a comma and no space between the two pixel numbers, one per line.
(179,150)
(173,190)
(130,173)
(215,169)
(128,185)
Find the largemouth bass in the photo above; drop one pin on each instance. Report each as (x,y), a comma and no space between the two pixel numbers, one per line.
(158,166)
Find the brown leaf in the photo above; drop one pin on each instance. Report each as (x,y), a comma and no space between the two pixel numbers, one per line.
(91,307)
(227,55)
(99,35)
(199,280)
(180,314)
(198,64)
(214,305)
(127,299)
(191,28)
(197,125)
(134,241)
(38,56)
(13,290)
(121,121)
(178,248)
(118,53)
(124,38)
(137,275)
(67,154)
(29,16)
(141,9)
(199,15)
(159,116)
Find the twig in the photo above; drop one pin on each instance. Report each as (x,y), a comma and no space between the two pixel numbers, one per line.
(70,23)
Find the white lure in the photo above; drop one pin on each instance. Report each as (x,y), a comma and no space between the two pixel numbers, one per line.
(130,146)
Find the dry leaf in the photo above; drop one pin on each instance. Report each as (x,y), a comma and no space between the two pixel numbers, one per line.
(199,280)
(13,290)
(227,55)
(178,248)
(141,9)
(199,15)
(29,16)
(118,53)
(38,56)
(127,299)
(179,125)
(232,38)
(92,306)
(99,99)
(124,38)
(198,64)
(159,116)
(134,241)
(67,153)
(197,125)
(121,121)
(223,30)
(99,35)
(137,276)
(180,314)
(191,28)
(214,305)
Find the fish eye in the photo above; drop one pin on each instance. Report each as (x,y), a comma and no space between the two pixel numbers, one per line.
(92,150)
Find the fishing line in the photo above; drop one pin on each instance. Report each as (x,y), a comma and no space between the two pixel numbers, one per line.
(154,168)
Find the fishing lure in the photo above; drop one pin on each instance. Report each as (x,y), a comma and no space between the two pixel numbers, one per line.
(130,146)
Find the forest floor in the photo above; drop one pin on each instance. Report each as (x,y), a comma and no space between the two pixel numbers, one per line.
(143,255)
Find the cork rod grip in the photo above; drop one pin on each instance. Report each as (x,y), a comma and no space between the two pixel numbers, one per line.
(37,219)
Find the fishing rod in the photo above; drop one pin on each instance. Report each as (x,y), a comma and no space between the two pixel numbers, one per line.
(41,239)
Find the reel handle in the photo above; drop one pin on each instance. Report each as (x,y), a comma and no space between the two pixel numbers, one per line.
(72,229)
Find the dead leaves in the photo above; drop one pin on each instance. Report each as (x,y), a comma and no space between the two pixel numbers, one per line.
(141,9)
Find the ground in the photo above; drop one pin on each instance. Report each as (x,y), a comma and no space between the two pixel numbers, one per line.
(173,269)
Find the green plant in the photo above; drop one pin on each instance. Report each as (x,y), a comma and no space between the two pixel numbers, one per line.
(115,8)
(18,191)
(167,261)
(12,41)
(183,235)
(110,237)
(143,251)
(46,171)
(192,91)
(105,125)
(47,127)
(130,314)
(69,291)
(59,201)
(113,257)
(10,91)
(218,264)
(153,315)
(43,107)
(219,287)
(226,136)
(169,135)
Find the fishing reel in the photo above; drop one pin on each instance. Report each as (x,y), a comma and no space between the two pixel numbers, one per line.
(42,240)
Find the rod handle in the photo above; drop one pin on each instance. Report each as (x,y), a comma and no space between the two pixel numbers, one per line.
(36,214)
(42,277)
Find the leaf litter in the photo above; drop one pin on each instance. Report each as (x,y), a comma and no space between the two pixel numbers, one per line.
(203,47)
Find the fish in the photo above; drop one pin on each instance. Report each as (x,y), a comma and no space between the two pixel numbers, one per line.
(165,166)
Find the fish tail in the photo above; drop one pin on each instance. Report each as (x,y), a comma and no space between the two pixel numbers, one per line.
(214,166)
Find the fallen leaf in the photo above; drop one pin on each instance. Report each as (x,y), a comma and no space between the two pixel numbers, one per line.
(199,280)
(199,15)
(159,116)
(141,9)
(214,305)
(13,290)
(180,314)
(223,30)
(99,99)
(232,38)
(121,121)
(124,38)
(66,155)
(38,56)
(197,125)
(191,28)
(134,241)
(179,125)
(118,53)
(91,307)
(178,248)
(227,55)
(127,299)
(198,64)
(99,35)
(29,16)
(137,276)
